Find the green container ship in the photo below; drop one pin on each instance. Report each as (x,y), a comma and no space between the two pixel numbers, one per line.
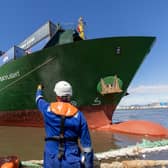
(100,71)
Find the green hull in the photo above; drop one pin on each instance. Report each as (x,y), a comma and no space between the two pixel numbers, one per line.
(82,63)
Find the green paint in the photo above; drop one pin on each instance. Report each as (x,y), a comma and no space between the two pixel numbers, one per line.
(82,63)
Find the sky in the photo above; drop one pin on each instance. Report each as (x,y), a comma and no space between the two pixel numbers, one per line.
(104,18)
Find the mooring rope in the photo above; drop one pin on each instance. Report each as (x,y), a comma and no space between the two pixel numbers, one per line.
(102,159)
(32,163)
(140,148)
(135,164)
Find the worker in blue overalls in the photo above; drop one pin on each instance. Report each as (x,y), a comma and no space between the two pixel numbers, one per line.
(64,125)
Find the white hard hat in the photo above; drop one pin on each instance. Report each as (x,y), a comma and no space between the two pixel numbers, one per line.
(63,88)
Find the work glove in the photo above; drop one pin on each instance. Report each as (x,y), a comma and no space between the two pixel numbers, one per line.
(87,159)
(40,87)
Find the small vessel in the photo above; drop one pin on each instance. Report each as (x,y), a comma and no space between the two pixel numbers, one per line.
(100,71)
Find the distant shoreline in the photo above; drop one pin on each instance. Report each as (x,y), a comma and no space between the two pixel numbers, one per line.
(140,107)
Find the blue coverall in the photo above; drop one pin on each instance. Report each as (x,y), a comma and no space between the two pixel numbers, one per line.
(74,126)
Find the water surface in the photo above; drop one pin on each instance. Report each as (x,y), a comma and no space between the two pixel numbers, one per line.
(27,142)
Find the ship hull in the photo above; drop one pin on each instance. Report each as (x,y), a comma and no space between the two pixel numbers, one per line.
(83,64)
(33,118)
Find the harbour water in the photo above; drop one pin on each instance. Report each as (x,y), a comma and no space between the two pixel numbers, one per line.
(27,143)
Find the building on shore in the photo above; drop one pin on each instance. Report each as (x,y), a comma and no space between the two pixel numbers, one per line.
(146,106)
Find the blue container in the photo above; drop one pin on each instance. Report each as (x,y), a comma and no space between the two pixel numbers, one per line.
(13,53)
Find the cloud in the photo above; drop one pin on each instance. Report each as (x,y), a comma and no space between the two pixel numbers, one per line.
(145,95)
(149,89)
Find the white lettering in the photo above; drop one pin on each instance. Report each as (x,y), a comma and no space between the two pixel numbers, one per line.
(9,76)
(27,43)
(74,102)
(97,101)
(5,59)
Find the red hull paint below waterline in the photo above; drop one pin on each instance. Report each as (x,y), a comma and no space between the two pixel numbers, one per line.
(138,127)
(21,118)
(97,118)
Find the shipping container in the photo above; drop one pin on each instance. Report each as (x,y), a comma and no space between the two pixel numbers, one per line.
(13,53)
